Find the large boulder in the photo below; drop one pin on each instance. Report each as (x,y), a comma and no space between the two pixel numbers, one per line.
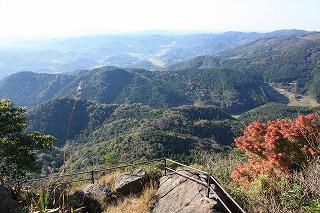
(6,203)
(88,199)
(80,200)
(179,194)
(131,183)
(97,190)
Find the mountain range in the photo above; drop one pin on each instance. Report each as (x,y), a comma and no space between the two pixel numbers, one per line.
(235,79)
(169,95)
(227,89)
(140,50)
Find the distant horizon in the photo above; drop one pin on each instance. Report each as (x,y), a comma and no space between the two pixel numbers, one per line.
(143,32)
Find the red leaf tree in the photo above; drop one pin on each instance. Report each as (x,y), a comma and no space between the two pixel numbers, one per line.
(277,148)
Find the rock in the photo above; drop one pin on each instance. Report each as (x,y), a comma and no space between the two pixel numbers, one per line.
(80,200)
(88,199)
(179,194)
(97,191)
(131,183)
(6,203)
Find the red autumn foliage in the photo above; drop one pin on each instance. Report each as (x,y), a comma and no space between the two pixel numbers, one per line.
(277,148)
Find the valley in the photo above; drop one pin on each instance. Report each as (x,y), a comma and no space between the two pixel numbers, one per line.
(294,98)
(162,104)
(201,99)
(229,80)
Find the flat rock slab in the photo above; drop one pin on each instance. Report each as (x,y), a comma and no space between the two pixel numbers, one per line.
(131,183)
(179,194)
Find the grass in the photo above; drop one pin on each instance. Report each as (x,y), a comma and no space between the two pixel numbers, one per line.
(43,198)
(141,204)
(110,179)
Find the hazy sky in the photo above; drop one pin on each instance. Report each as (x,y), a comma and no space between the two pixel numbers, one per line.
(37,18)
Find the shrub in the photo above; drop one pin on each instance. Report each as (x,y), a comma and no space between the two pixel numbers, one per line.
(17,146)
(277,148)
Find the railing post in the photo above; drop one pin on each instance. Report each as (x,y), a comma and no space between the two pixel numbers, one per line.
(165,166)
(92,177)
(208,185)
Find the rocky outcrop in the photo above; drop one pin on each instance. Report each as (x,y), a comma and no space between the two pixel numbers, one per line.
(179,194)
(97,190)
(131,183)
(6,203)
(80,200)
(90,198)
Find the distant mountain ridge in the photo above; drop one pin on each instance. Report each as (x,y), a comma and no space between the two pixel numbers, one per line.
(28,88)
(224,88)
(285,59)
(198,62)
(146,51)
(232,80)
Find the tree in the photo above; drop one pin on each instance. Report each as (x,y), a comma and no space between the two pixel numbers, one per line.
(278,147)
(17,146)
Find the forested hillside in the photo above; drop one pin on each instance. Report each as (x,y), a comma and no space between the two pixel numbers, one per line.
(199,62)
(66,118)
(111,130)
(230,90)
(273,111)
(284,59)
(116,85)
(139,132)
(227,89)
(30,89)
(288,60)
(314,88)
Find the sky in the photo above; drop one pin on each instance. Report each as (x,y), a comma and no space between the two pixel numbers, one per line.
(61,18)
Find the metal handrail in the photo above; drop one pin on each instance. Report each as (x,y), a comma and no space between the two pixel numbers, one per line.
(221,201)
(189,167)
(94,171)
(226,193)
(207,184)
(235,206)
(188,177)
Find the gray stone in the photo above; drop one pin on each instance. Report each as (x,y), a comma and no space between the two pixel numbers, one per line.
(80,200)
(97,191)
(6,203)
(179,194)
(131,183)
